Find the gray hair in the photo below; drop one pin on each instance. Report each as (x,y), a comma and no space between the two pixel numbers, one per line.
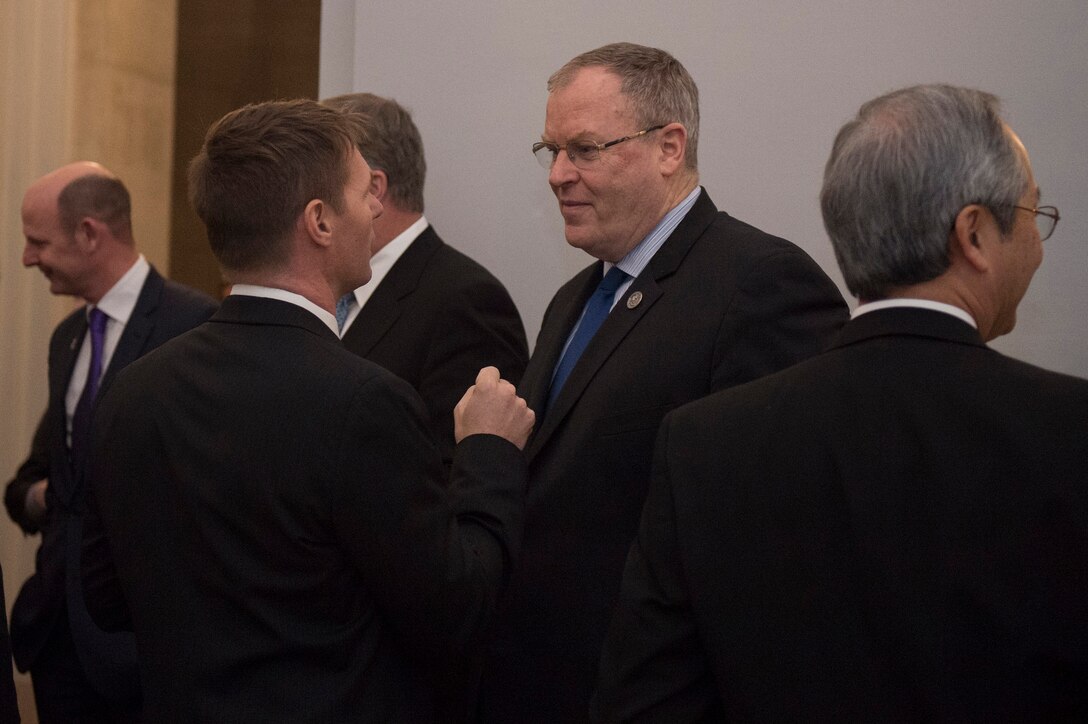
(393,145)
(659,88)
(900,173)
(100,197)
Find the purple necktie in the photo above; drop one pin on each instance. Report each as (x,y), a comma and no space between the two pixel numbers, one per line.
(81,418)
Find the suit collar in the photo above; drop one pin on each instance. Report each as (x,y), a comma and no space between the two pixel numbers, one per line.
(238,309)
(384,306)
(643,293)
(908,321)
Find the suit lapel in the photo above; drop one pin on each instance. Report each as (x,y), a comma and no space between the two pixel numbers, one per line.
(619,323)
(384,306)
(538,375)
(137,330)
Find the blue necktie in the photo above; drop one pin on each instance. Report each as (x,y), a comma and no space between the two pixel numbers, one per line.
(597,308)
(343,309)
(81,418)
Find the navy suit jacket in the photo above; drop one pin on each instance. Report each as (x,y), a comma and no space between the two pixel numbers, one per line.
(163,310)
(436,318)
(719,304)
(895,530)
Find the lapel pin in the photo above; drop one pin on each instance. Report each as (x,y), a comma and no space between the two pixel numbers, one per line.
(634,300)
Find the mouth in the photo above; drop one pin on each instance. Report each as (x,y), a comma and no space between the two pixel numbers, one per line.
(567,206)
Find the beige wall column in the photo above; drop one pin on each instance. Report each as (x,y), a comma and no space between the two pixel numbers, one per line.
(79,79)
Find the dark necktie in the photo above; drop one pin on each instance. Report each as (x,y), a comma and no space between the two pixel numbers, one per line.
(81,418)
(597,308)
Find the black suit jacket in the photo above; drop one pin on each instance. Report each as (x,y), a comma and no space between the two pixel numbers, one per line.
(896,530)
(721,303)
(436,318)
(283,542)
(163,310)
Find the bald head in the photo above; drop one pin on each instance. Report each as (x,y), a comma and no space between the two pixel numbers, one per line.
(78,229)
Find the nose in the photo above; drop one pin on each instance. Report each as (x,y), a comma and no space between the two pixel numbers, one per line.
(30,256)
(563,171)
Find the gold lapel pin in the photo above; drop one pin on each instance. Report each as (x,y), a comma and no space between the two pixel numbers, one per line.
(634,300)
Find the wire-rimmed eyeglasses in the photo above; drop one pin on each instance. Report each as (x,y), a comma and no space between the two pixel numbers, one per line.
(1046,218)
(580,153)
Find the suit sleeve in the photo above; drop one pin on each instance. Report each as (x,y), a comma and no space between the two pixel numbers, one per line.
(480,326)
(35,468)
(786,310)
(433,558)
(102,592)
(652,667)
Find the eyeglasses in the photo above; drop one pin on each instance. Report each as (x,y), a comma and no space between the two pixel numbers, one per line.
(1048,222)
(581,153)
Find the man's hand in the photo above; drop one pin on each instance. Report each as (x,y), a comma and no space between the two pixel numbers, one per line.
(35,501)
(492,407)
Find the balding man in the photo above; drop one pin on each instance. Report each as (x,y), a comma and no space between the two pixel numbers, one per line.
(894,530)
(77,224)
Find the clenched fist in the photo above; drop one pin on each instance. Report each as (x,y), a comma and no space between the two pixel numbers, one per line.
(492,407)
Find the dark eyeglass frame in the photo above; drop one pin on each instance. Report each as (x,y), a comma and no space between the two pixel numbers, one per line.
(585,152)
(1050,212)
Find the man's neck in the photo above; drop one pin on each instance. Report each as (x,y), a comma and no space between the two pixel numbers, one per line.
(115,266)
(391,224)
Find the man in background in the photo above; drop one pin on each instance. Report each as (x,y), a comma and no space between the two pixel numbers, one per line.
(280,532)
(682,300)
(896,529)
(78,229)
(430,315)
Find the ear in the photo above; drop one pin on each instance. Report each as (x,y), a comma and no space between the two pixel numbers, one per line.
(972,234)
(89,232)
(673,144)
(379,185)
(318,220)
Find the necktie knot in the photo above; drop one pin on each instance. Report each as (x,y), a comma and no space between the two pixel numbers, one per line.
(96,320)
(343,309)
(612,281)
(596,311)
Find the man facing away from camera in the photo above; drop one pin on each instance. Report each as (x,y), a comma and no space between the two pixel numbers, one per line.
(284,542)
(894,530)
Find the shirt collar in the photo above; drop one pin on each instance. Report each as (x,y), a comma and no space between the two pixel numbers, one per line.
(120,300)
(255,290)
(916,304)
(386,257)
(637,259)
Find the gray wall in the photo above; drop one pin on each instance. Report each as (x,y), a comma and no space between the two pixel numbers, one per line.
(777,79)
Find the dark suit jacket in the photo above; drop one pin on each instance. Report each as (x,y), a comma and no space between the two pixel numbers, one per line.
(721,303)
(163,310)
(436,318)
(276,512)
(9,706)
(896,530)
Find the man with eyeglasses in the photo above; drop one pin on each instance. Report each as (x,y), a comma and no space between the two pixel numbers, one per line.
(682,300)
(896,529)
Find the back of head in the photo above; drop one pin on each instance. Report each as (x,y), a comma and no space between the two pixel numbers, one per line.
(100,197)
(259,167)
(659,88)
(393,145)
(901,171)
